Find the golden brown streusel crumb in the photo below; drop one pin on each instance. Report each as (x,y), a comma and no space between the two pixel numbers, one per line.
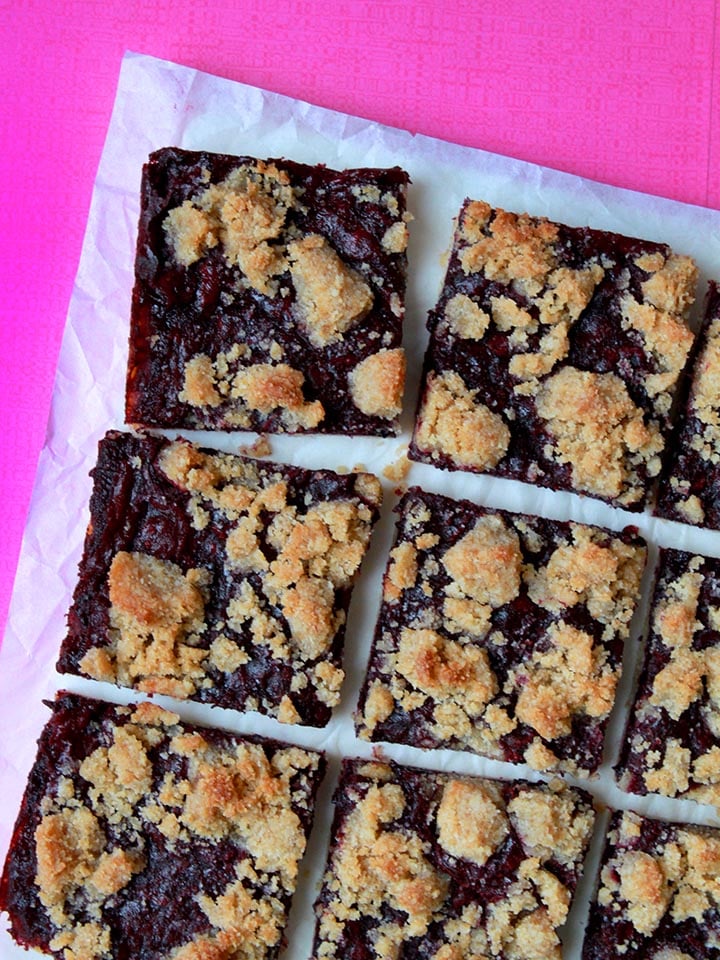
(571,677)
(260,448)
(603,575)
(465,318)
(485,564)
(402,571)
(599,431)
(156,615)
(549,824)
(514,246)
(446,669)
(242,214)
(395,238)
(377,864)
(377,383)
(266,387)
(453,424)
(331,296)
(200,383)
(398,470)
(471,820)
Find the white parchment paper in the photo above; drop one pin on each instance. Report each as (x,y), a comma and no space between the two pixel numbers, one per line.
(160,104)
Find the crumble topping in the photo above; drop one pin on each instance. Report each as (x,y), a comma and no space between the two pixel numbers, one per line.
(266,387)
(402,571)
(157,617)
(485,564)
(571,677)
(377,383)
(377,864)
(262,387)
(242,214)
(508,246)
(471,820)
(599,431)
(550,822)
(466,318)
(453,424)
(395,238)
(200,388)
(331,296)
(604,574)
(91,843)
(446,669)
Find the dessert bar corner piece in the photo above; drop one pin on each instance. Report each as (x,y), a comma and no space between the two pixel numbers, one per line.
(139,836)
(689,489)
(269,296)
(658,892)
(425,864)
(500,633)
(672,740)
(218,578)
(554,355)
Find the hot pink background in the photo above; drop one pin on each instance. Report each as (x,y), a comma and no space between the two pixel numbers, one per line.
(623,95)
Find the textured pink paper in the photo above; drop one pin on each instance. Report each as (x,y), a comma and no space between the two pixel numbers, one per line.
(619,92)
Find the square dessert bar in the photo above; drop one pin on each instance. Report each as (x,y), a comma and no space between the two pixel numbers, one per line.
(672,740)
(218,578)
(658,894)
(554,355)
(500,633)
(431,865)
(269,296)
(689,488)
(142,837)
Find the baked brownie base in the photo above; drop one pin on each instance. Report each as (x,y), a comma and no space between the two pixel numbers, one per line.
(500,633)
(269,296)
(218,578)
(142,837)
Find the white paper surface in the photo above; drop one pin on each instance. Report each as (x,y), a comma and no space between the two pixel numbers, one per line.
(160,104)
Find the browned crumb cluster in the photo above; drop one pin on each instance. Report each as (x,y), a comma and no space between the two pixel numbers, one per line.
(425,864)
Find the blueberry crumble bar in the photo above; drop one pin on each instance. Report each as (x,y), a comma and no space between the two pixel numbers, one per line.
(658,896)
(500,633)
(554,355)
(430,865)
(217,577)
(139,836)
(690,485)
(672,740)
(269,296)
